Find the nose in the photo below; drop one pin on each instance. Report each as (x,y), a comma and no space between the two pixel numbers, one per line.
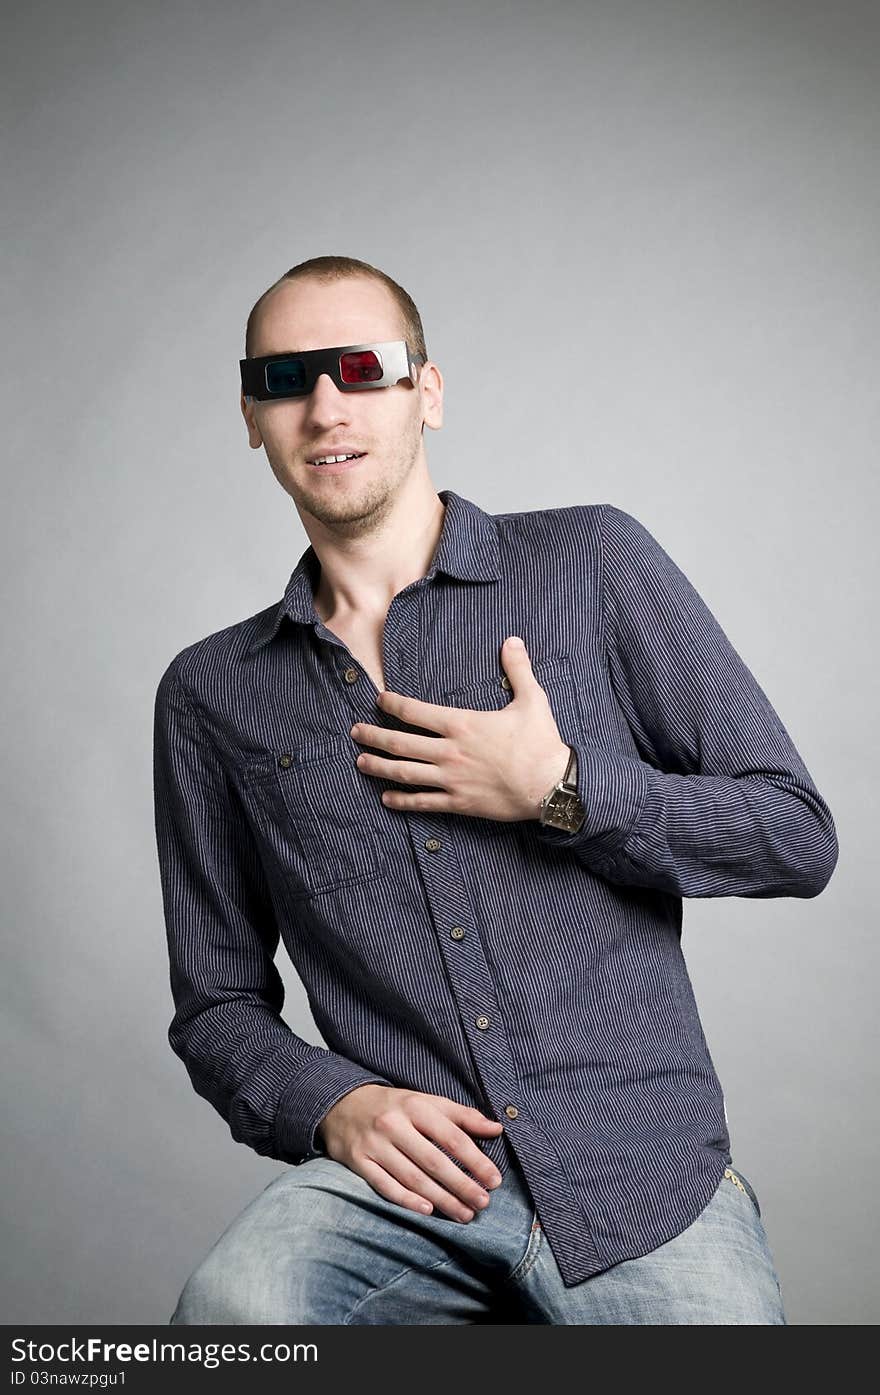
(326,404)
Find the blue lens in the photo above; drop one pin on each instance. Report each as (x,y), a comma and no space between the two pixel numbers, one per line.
(286,375)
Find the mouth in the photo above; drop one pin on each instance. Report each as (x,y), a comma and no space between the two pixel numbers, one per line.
(337,466)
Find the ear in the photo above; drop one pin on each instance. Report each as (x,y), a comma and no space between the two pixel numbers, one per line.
(248,411)
(431,389)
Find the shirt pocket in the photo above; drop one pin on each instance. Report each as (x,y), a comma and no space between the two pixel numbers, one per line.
(319,814)
(556,676)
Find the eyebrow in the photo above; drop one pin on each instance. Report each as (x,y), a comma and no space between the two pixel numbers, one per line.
(324,349)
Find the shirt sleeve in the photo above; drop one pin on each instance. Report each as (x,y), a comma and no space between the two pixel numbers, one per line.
(272,1087)
(717,802)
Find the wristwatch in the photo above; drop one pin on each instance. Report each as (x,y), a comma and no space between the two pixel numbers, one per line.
(561,807)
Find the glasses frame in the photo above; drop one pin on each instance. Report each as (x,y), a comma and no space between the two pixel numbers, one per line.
(395,355)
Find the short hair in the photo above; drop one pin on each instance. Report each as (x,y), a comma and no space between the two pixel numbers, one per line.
(334,269)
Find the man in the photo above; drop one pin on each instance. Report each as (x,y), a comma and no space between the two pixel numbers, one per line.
(475,852)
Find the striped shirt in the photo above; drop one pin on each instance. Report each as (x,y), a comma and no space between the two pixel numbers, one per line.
(534,974)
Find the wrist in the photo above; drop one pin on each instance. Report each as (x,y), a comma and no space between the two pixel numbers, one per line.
(551,774)
(562,807)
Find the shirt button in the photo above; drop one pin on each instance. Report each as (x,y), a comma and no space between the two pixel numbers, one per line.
(432,844)
(457,932)
(511,1111)
(505,682)
(352,675)
(482,1023)
(285,760)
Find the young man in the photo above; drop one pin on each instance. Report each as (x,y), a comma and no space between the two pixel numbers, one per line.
(475,852)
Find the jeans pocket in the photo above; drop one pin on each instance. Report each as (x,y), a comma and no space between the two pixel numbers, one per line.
(742,1182)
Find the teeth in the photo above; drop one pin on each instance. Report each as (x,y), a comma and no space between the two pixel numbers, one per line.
(334,459)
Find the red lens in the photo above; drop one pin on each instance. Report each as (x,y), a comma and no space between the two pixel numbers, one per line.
(362,367)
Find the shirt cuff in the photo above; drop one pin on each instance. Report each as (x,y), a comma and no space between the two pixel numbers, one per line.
(312,1092)
(613,790)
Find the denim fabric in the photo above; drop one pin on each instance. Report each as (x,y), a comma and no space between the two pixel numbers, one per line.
(319,1246)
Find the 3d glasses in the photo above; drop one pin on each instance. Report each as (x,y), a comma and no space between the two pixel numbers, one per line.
(353,367)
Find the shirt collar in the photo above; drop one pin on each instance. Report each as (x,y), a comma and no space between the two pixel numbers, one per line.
(468,548)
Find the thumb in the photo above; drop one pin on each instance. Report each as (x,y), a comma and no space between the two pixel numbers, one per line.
(517,664)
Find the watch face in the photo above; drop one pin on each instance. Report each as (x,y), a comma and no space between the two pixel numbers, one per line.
(563,810)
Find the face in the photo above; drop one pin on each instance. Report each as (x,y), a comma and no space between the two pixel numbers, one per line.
(385,423)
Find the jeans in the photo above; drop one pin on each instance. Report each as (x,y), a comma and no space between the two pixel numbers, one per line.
(320,1246)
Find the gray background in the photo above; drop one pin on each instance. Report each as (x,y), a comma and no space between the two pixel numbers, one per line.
(671,209)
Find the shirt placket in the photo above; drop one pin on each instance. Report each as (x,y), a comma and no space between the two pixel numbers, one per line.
(437,844)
